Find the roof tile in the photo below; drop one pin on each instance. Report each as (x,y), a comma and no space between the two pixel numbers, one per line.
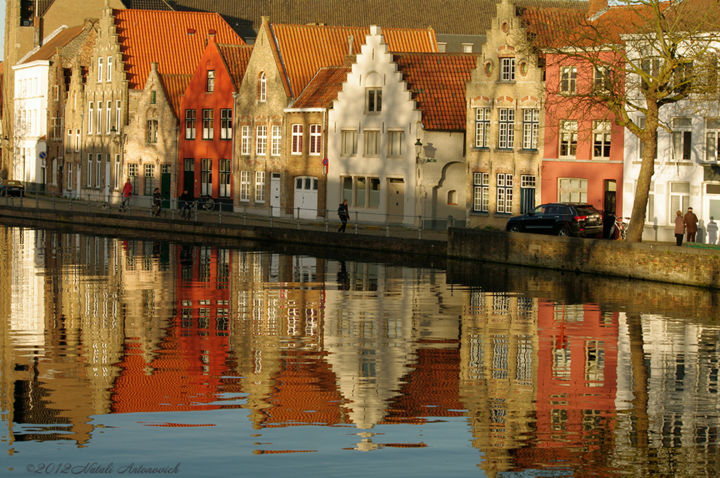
(437,83)
(175,40)
(323,88)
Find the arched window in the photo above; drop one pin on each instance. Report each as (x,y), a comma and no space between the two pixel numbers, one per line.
(262,87)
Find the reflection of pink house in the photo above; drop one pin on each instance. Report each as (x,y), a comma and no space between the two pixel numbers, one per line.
(576,384)
(583,159)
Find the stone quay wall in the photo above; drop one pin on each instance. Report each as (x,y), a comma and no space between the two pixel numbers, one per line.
(662,262)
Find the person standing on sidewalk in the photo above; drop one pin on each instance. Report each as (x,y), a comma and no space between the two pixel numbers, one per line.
(679,228)
(126,194)
(343,214)
(691,222)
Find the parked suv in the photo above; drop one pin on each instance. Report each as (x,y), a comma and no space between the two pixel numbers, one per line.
(562,219)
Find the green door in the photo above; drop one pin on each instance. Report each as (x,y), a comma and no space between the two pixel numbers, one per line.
(165,190)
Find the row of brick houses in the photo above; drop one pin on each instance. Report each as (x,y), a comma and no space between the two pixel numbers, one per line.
(310,115)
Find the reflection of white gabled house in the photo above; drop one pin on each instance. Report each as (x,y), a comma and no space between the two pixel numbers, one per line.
(372,129)
(687,166)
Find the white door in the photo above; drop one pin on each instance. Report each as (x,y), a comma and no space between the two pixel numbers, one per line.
(305,199)
(275,194)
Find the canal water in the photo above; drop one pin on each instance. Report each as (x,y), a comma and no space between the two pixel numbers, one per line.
(131,357)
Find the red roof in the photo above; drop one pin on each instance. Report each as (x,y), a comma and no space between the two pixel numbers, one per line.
(437,83)
(175,86)
(301,50)
(175,40)
(236,59)
(323,88)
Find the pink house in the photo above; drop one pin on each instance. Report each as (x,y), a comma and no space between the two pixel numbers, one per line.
(583,155)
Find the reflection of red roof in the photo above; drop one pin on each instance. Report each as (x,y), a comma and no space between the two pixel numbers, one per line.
(303,49)
(430,389)
(323,88)
(174,381)
(175,40)
(437,83)
(305,393)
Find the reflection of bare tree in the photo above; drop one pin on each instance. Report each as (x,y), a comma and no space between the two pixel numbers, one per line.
(640,382)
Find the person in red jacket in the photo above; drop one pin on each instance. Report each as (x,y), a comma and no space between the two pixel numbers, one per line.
(126,194)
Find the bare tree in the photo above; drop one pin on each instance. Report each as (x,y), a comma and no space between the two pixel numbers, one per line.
(645,54)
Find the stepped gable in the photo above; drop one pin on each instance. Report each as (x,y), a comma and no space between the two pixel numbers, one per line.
(175,86)
(437,83)
(236,59)
(445,16)
(323,88)
(62,38)
(301,50)
(175,40)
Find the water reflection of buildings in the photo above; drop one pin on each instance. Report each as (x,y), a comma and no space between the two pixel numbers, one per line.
(675,368)
(498,372)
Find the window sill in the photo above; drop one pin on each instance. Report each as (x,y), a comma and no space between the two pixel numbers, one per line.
(480,213)
(481,148)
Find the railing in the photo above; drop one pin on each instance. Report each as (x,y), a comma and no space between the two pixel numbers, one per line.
(360,222)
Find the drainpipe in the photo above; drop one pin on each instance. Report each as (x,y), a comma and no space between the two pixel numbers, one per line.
(233,166)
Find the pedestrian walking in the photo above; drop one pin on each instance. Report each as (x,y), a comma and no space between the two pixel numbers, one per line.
(712,230)
(691,221)
(679,228)
(126,195)
(343,214)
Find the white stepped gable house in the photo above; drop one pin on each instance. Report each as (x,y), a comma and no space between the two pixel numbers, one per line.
(372,129)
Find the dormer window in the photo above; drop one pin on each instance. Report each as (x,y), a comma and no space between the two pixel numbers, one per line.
(262,88)
(507,69)
(210,86)
(374,100)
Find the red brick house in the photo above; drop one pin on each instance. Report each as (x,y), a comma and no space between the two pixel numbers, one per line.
(206,123)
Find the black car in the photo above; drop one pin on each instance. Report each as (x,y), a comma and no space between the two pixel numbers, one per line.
(562,219)
(11,187)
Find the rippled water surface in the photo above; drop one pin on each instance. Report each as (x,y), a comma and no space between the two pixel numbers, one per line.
(140,357)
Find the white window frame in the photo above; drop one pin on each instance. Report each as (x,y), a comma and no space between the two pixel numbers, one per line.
(224,178)
(210,81)
(259,186)
(602,139)
(108,115)
(262,87)
(98,170)
(88,172)
(190,123)
(504,189)
(507,69)
(226,123)
(109,69)
(506,128)
(275,140)
(373,100)
(348,142)
(371,143)
(568,138)
(396,139)
(100,77)
(481,192)
(531,128)
(568,80)
(712,139)
(118,171)
(568,191)
(245,140)
(244,186)
(315,146)
(91,116)
(99,117)
(261,140)
(208,123)
(297,139)
(118,111)
(679,199)
(682,139)
(482,127)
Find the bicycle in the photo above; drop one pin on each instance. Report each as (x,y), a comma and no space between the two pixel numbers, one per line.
(619,229)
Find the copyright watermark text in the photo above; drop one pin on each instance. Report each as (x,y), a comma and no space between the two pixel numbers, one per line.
(94,468)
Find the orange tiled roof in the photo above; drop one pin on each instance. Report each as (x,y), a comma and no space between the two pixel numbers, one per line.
(175,40)
(303,49)
(323,88)
(63,37)
(236,59)
(175,86)
(437,83)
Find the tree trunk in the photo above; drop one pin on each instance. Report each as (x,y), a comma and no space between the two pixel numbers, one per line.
(640,382)
(647,169)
